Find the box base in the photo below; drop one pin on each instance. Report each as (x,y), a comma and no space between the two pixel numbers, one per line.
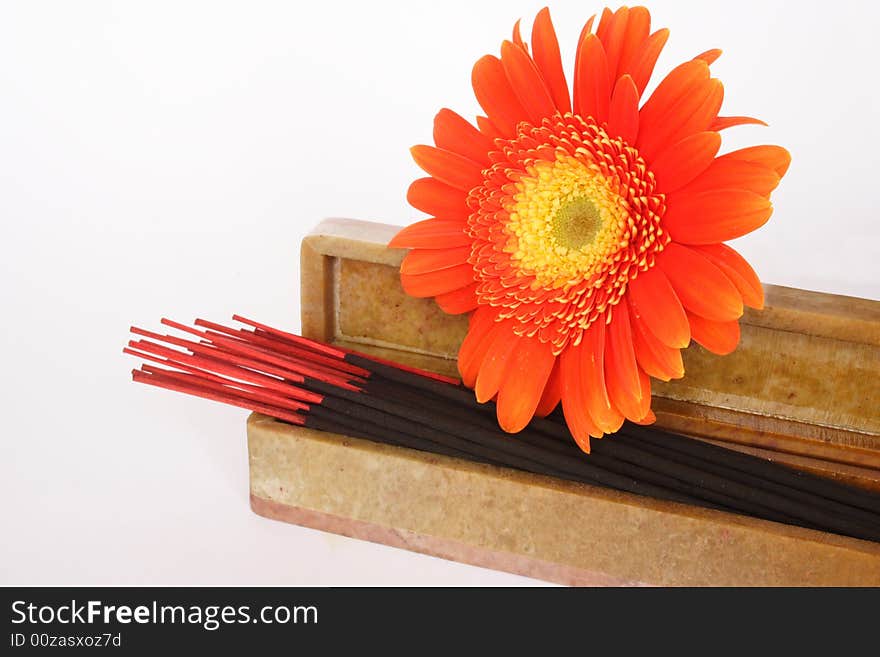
(541,527)
(434,546)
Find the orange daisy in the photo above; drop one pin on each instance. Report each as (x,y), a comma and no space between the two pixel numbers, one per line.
(585,233)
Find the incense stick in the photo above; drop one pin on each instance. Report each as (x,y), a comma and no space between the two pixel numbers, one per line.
(717,484)
(749,465)
(634,468)
(309,383)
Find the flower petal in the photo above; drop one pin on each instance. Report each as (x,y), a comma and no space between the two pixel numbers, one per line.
(458,301)
(654,357)
(552,392)
(422,261)
(527,84)
(575,397)
(451,168)
(496,96)
(680,164)
(724,122)
(504,342)
(473,347)
(592,87)
(586,29)
(656,305)
(613,38)
(718,337)
(545,51)
(737,270)
(773,157)
(675,87)
(525,377)
(643,411)
(489,129)
(602,411)
(621,368)
(728,173)
(438,199)
(604,23)
(645,58)
(433,283)
(650,418)
(685,102)
(517,36)
(431,234)
(710,56)
(701,287)
(638,29)
(715,216)
(454,133)
(623,119)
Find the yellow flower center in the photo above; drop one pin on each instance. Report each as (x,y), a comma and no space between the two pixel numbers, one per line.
(566,221)
(565,218)
(577,223)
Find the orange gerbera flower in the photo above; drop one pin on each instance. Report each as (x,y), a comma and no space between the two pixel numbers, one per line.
(586,233)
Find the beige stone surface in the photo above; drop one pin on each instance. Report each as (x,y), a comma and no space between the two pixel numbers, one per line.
(528,524)
(371,309)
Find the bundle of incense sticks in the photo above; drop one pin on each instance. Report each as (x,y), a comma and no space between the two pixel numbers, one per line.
(312,384)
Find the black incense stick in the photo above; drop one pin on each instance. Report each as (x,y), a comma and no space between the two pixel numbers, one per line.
(762,503)
(633,468)
(830,505)
(319,386)
(750,465)
(322,420)
(713,481)
(760,468)
(422,421)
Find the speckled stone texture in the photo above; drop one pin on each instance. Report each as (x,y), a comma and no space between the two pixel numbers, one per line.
(802,389)
(528,524)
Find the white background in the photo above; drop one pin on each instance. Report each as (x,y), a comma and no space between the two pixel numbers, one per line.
(166,158)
